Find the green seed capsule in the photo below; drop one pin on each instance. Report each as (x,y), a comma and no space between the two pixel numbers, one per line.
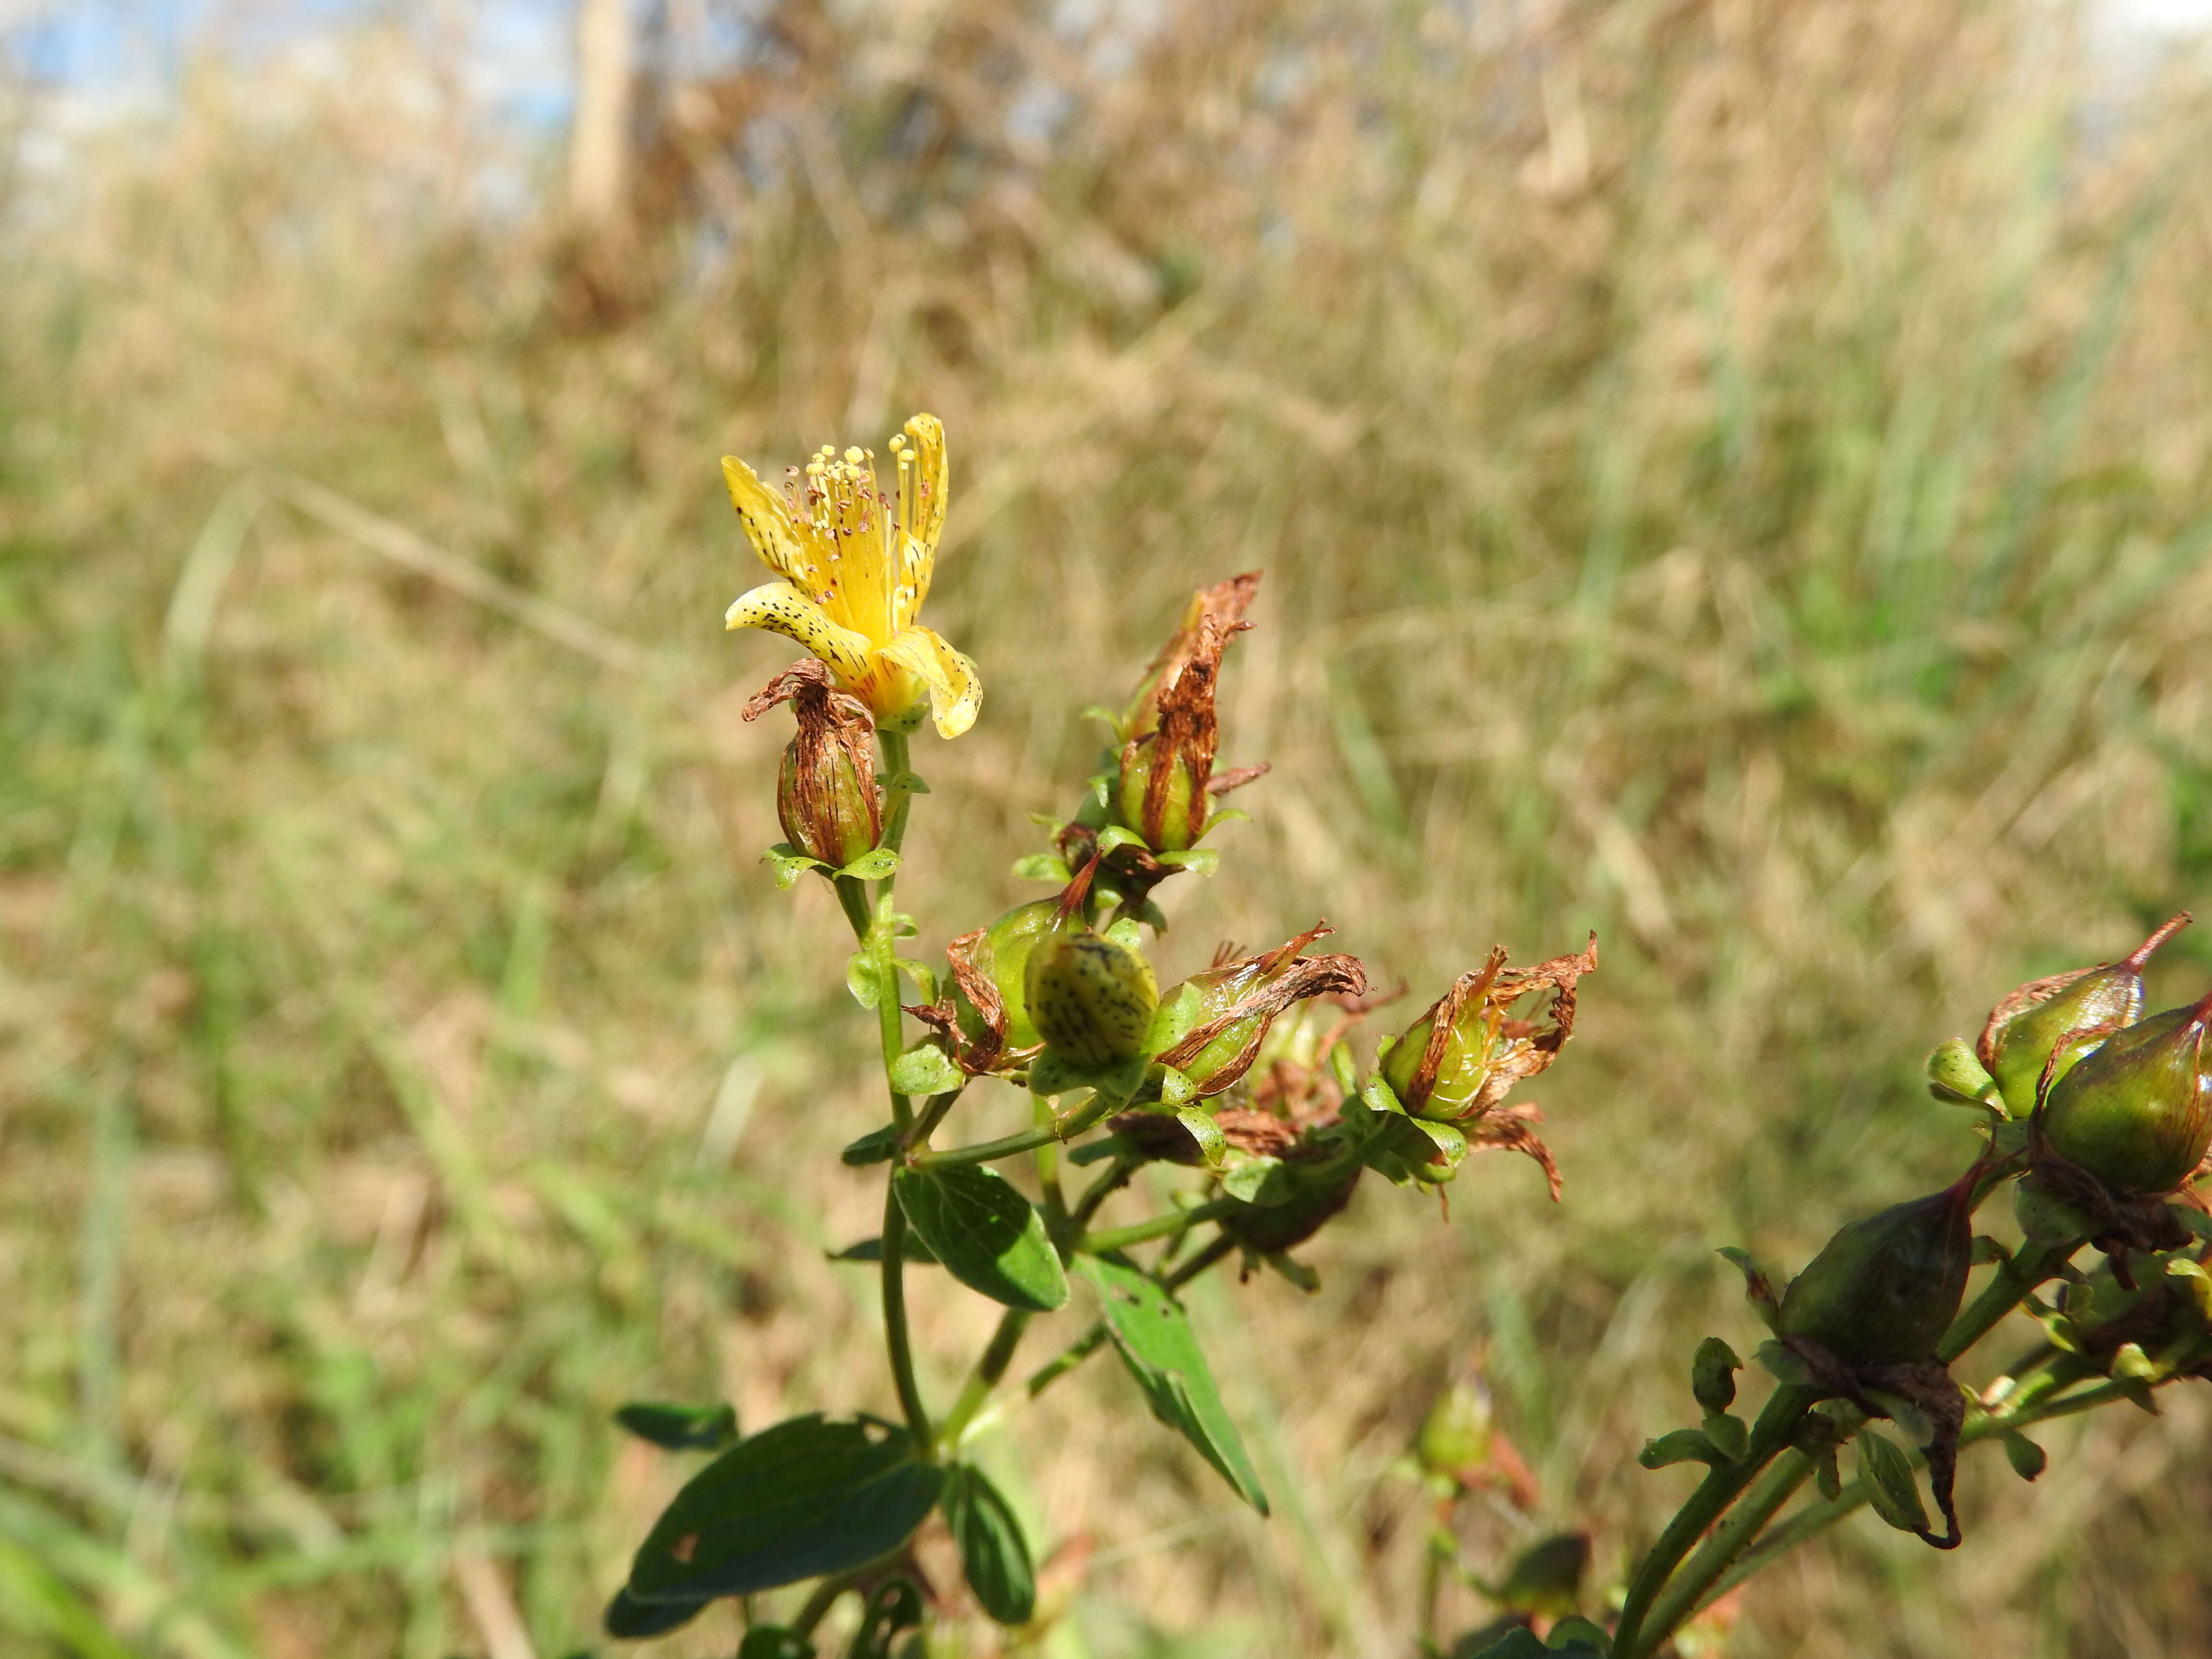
(2019,1044)
(2137,1114)
(1884,1290)
(1181,818)
(1005,956)
(1090,1000)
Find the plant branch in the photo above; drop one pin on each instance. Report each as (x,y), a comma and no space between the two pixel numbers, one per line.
(1707,1504)
(1120,1238)
(896,1337)
(2012,1284)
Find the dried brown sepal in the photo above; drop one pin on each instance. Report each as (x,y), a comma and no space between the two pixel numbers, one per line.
(981,1050)
(827,797)
(1515,1048)
(1510,1129)
(1263,986)
(1172,730)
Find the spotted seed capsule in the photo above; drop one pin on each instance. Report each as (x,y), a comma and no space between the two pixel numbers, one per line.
(2137,1114)
(1090,1000)
(1008,944)
(1884,1290)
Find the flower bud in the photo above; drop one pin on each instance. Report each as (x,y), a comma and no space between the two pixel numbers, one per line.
(1454,1438)
(1884,1290)
(826,797)
(2137,1112)
(1091,999)
(1170,732)
(2067,1015)
(1225,1012)
(1460,1057)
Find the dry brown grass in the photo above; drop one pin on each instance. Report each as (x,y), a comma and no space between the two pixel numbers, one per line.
(1738,478)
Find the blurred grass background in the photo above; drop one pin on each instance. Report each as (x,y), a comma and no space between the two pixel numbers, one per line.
(1736,476)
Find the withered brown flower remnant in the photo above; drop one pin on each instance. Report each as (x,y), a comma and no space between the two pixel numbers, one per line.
(1231,1006)
(1170,730)
(1457,1062)
(826,796)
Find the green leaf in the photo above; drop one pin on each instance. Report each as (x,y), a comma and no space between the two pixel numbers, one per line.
(1519,1642)
(787,865)
(1826,1476)
(861,978)
(923,976)
(774,1642)
(680,1428)
(1199,860)
(925,1069)
(994,1554)
(872,866)
(1044,866)
(2027,1459)
(1782,1364)
(809,1497)
(630,1620)
(913,1252)
(988,1236)
(1254,1179)
(1729,1432)
(1114,836)
(1887,1475)
(1681,1446)
(1213,1144)
(1128,933)
(1176,1087)
(1379,1099)
(1155,1342)
(1712,1374)
(1221,815)
(1451,1144)
(2048,1220)
(877,1147)
(1577,1639)
(1758,1288)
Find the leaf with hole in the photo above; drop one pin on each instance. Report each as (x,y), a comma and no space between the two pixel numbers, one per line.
(811,1496)
(1155,1342)
(993,1553)
(986,1235)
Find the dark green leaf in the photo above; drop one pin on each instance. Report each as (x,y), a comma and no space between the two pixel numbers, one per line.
(1728,1431)
(2027,1459)
(680,1428)
(1758,1288)
(1156,1344)
(871,867)
(988,1236)
(992,1551)
(1890,1490)
(912,1252)
(774,1642)
(1782,1364)
(1546,1579)
(1712,1374)
(809,1497)
(924,1069)
(630,1620)
(877,1147)
(1680,1446)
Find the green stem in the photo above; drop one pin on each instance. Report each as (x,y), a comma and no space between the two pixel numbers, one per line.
(2011,1284)
(819,1603)
(1065,1360)
(1120,1238)
(1687,1593)
(1045,1134)
(1810,1522)
(1222,1244)
(990,1369)
(852,894)
(896,763)
(931,1114)
(1115,1177)
(896,1338)
(1719,1489)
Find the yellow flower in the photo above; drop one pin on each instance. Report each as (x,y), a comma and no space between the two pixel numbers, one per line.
(855,565)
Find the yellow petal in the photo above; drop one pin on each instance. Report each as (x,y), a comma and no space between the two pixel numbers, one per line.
(955,691)
(782,609)
(769,527)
